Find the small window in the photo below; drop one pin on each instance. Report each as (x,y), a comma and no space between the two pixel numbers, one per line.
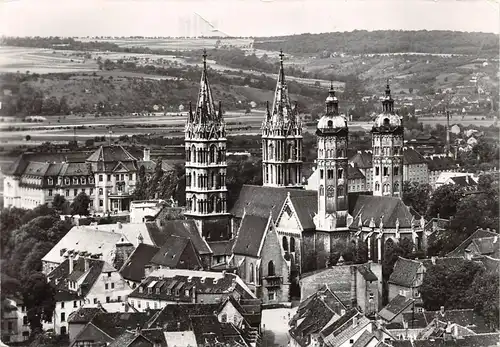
(50,192)
(396,171)
(112,286)
(95,300)
(25,320)
(100,178)
(75,304)
(62,304)
(83,180)
(67,192)
(321,174)
(106,286)
(101,191)
(377,171)
(108,299)
(75,192)
(386,171)
(109,177)
(118,298)
(63,317)
(101,203)
(223,318)
(109,274)
(330,174)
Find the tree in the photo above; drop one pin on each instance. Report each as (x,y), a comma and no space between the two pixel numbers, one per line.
(28,137)
(448,285)
(483,295)
(80,205)
(39,299)
(140,191)
(444,201)
(58,202)
(416,195)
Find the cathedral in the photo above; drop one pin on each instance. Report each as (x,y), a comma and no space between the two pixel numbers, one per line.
(280,230)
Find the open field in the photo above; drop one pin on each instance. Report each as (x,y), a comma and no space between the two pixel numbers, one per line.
(180,44)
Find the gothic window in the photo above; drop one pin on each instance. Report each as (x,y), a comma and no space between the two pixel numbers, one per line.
(292,244)
(340,191)
(330,174)
(270,269)
(290,151)
(193,150)
(321,173)
(212,154)
(321,191)
(377,186)
(213,202)
(330,192)
(285,244)
(396,187)
(377,171)
(271,152)
(195,203)
(252,274)
(386,122)
(396,171)
(386,171)
(340,173)
(386,188)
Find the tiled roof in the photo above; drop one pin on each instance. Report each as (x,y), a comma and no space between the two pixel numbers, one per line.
(445,261)
(412,157)
(134,266)
(61,276)
(353,173)
(306,207)
(366,272)
(155,336)
(74,169)
(479,233)
(84,314)
(181,280)
(491,264)
(222,247)
(486,246)
(18,166)
(478,340)
(395,307)
(365,338)
(405,272)
(36,169)
(250,234)
(465,317)
(462,181)
(388,208)
(130,231)
(210,332)
(176,317)
(114,324)
(259,200)
(170,253)
(111,154)
(362,160)
(337,278)
(336,326)
(181,228)
(440,163)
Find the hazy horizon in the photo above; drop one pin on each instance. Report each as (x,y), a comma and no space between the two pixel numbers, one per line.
(242,18)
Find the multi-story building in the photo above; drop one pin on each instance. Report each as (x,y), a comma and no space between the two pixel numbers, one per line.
(206,166)
(108,176)
(415,167)
(282,139)
(14,325)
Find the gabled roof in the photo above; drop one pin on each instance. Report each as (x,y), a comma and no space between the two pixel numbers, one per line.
(306,207)
(73,169)
(111,154)
(479,233)
(362,159)
(395,307)
(85,314)
(181,228)
(405,272)
(353,173)
(478,340)
(250,234)
(114,324)
(210,332)
(176,317)
(440,163)
(366,272)
(337,278)
(339,325)
(259,200)
(485,246)
(464,181)
(222,247)
(36,168)
(388,208)
(419,320)
(412,157)
(170,253)
(133,268)
(365,339)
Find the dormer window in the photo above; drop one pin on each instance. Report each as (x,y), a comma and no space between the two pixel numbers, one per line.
(150,290)
(83,180)
(157,290)
(75,180)
(66,180)
(141,290)
(50,181)
(91,179)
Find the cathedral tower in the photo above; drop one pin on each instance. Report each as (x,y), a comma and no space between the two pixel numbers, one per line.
(332,135)
(387,143)
(282,140)
(205,143)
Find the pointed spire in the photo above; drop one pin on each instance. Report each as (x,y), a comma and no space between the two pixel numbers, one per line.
(282,71)
(220,109)
(282,111)
(332,103)
(205,107)
(388,102)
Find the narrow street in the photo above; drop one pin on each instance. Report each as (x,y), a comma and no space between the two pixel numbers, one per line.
(275,326)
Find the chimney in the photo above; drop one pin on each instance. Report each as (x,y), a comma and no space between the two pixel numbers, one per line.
(71,259)
(441,310)
(119,225)
(146,154)
(87,265)
(355,321)
(433,260)
(353,286)
(495,239)
(126,306)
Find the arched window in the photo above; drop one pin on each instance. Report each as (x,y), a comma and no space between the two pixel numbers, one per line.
(396,171)
(340,191)
(377,186)
(195,203)
(330,124)
(292,244)
(340,173)
(271,151)
(321,190)
(193,153)
(213,204)
(386,122)
(270,268)
(396,187)
(285,244)
(290,151)
(223,318)
(252,278)
(212,154)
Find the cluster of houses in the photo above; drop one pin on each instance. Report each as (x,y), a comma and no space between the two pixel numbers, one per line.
(204,279)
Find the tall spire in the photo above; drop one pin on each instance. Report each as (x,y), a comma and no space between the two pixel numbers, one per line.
(282,111)
(332,103)
(388,102)
(205,107)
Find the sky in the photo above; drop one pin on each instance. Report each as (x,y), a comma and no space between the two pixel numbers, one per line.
(242,17)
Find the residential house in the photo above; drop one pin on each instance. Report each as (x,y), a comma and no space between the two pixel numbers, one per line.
(14,319)
(415,167)
(141,338)
(463,179)
(483,340)
(406,278)
(426,144)
(176,253)
(260,259)
(144,210)
(313,314)
(362,160)
(483,242)
(392,313)
(133,269)
(357,285)
(165,286)
(80,279)
(222,251)
(438,164)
